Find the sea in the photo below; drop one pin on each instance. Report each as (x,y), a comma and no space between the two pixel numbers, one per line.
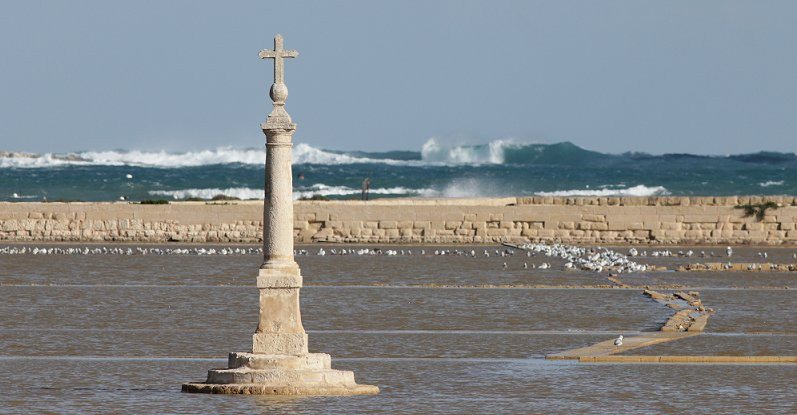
(496,168)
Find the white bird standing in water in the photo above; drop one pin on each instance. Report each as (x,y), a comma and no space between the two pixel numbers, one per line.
(729,251)
(619,340)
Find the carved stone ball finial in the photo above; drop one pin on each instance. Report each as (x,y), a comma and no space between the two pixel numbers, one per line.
(279,93)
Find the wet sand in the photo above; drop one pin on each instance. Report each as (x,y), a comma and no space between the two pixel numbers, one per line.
(91,334)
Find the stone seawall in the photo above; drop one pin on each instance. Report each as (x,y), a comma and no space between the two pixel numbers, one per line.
(622,220)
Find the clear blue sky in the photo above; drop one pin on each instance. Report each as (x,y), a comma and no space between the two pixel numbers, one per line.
(711,77)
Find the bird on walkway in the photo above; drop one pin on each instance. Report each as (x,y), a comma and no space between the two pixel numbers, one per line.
(619,340)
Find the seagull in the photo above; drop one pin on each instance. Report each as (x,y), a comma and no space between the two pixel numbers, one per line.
(729,251)
(619,340)
(129,176)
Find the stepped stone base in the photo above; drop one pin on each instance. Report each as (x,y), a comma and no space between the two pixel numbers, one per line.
(261,374)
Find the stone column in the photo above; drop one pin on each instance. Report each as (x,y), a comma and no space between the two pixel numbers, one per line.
(279,363)
(279,330)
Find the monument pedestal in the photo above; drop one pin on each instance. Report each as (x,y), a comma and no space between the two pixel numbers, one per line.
(279,363)
(263,374)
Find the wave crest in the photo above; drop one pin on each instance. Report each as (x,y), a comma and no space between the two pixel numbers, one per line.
(638,190)
(432,153)
(319,189)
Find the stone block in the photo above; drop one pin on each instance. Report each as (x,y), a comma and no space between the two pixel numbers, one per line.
(567,225)
(753,226)
(422,224)
(593,218)
(10,225)
(405,224)
(452,224)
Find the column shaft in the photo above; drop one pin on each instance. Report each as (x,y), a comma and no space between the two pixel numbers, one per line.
(278,203)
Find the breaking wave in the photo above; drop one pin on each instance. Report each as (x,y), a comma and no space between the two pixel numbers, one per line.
(319,189)
(639,190)
(771,183)
(432,153)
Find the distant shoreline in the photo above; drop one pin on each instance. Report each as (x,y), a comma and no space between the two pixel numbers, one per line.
(664,220)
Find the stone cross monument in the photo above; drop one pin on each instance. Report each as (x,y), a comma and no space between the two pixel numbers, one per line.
(279,363)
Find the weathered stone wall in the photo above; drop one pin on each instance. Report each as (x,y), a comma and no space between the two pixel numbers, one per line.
(646,220)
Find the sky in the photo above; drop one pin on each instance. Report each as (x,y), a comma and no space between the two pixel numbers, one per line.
(709,77)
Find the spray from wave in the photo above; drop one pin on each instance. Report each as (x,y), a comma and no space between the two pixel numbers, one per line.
(493,152)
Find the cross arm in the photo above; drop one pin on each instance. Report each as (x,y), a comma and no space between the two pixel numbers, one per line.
(265,53)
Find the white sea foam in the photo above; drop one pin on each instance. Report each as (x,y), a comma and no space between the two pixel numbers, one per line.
(325,190)
(433,153)
(302,153)
(19,196)
(300,192)
(771,183)
(38,161)
(239,192)
(222,155)
(639,190)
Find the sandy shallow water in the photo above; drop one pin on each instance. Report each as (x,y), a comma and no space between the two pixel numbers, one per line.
(104,333)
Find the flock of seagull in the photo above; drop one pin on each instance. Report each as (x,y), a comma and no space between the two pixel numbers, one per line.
(667,253)
(576,258)
(127,251)
(594,259)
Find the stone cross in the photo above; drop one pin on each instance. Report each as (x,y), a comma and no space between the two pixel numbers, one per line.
(278,54)
(279,363)
(278,118)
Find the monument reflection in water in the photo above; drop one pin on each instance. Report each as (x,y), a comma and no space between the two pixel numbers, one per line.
(279,363)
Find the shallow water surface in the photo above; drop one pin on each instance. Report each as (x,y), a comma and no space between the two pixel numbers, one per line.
(105,334)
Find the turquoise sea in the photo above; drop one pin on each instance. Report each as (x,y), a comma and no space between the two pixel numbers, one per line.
(498,168)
